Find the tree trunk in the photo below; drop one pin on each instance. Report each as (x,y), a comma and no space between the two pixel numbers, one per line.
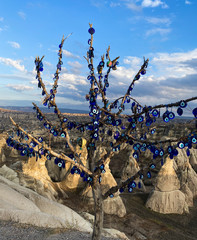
(98,212)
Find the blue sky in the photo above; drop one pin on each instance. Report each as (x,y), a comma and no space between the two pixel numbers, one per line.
(162,30)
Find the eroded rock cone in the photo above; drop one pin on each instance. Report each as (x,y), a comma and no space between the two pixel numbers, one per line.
(72,182)
(113,205)
(42,183)
(130,169)
(167,197)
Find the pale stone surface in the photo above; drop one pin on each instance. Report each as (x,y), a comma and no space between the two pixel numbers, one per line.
(2,142)
(89,217)
(167,179)
(193,158)
(73,181)
(138,236)
(9,174)
(188,195)
(187,174)
(43,183)
(106,231)
(167,202)
(131,168)
(22,205)
(13,153)
(113,205)
(114,233)
(168,184)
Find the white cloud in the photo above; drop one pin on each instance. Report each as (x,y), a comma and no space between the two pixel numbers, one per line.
(69,54)
(154,3)
(113,4)
(14,63)
(14,44)
(1,29)
(187,2)
(131,5)
(1,19)
(48,64)
(176,64)
(19,87)
(132,60)
(75,64)
(169,58)
(161,31)
(97,4)
(155,20)
(75,67)
(70,78)
(22,15)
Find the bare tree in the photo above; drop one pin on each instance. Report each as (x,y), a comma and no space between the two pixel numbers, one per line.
(108,128)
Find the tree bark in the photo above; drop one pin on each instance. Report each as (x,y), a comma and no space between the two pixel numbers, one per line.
(98,212)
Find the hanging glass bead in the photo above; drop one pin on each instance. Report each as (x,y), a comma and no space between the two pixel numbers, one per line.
(109,63)
(47,126)
(179,111)
(63,134)
(194,140)
(130,189)
(153,131)
(133,184)
(188,152)
(137,77)
(170,149)
(59,66)
(33,144)
(23,152)
(155,113)
(118,122)
(26,138)
(175,152)
(82,174)
(195,112)
(181,145)
(152,166)
(102,167)
(166,117)
(143,72)
(183,104)
(135,155)
(161,152)
(116,135)
(90,66)
(89,41)
(171,115)
(48,157)
(121,190)
(148,174)
(40,139)
(91,31)
(141,119)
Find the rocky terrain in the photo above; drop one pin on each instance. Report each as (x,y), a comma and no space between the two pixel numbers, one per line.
(165,209)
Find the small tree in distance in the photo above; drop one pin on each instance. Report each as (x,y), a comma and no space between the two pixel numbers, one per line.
(107,128)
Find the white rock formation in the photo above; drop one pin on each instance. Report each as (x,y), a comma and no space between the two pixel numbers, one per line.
(22,205)
(113,205)
(167,197)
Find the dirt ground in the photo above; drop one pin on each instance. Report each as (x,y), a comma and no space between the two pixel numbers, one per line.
(154,226)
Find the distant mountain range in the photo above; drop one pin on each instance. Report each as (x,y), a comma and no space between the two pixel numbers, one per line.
(44,110)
